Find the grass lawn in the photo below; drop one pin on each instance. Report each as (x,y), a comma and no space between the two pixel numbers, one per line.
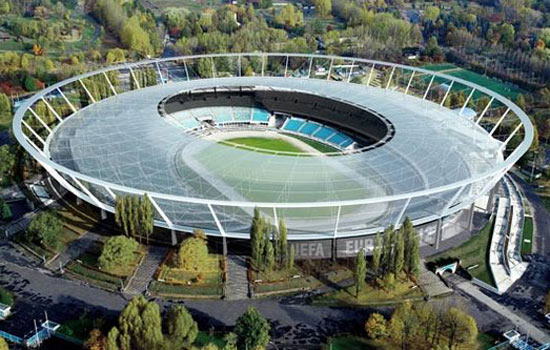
(263,144)
(372,295)
(79,329)
(211,272)
(205,338)
(175,290)
(348,342)
(321,147)
(473,252)
(527,236)
(486,341)
(6,297)
(86,268)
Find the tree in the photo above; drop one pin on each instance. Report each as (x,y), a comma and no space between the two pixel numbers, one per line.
(387,250)
(283,242)
(431,13)
(193,253)
(547,303)
(45,228)
(96,340)
(290,17)
(461,329)
(210,346)
(291,258)
(269,256)
(147,217)
(5,105)
(376,253)
(134,37)
(139,326)
(117,251)
(252,330)
(360,272)
(5,211)
(256,238)
(230,341)
(112,339)
(181,327)
(507,33)
(412,249)
(432,48)
(3,344)
(399,255)
(322,7)
(376,326)
(7,162)
(404,325)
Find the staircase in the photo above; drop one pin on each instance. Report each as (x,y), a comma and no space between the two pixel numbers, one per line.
(237,280)
(146,270)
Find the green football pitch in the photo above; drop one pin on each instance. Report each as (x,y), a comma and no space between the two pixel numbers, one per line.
(263,144)
(505,89)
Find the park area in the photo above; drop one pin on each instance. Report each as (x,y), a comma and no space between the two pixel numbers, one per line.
(177,282)
(86,268)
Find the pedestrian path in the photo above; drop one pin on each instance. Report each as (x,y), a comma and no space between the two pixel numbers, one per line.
(145,272)
(525,326)
(74,250)
(237,279)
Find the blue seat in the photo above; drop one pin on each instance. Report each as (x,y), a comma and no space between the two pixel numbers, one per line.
(260,115)
(294,124)
(309,128)
(337,139)
(346,143)
(241,113)
(324,132)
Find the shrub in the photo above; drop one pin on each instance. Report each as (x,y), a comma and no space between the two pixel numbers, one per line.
(117,250)
(192,254)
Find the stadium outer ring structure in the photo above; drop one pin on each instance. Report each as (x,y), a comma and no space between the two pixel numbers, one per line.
(79,184)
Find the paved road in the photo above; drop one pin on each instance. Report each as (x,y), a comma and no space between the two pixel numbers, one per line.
(523,324)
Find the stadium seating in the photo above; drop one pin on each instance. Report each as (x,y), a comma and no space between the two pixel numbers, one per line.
(241,113)
(260,115)
(309,128)
(323,133)
(294,124)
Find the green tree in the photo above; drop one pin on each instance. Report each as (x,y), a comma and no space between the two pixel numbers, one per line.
(376,326)
(431,13)
(376,252)
(134,37)
(3,344)
(412,249)
(461,329)
(193,253)
(290,17)
(387,250)
(404,325)
(117,251)
(112,339)
(230,341)
(45,228)
(399,261)
(5,104)
(256,238)
(291,258)
(210,346)
(139,326)
(360,272)
(181,327)
(7,162)
(147,217)
(252,330)
(5,211)
(432,48)
(283,235)
(322,7)
(269,256)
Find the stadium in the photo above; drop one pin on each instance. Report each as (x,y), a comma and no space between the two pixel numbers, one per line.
(337,146)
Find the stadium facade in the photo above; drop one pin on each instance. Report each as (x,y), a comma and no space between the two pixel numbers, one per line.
(379,141)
